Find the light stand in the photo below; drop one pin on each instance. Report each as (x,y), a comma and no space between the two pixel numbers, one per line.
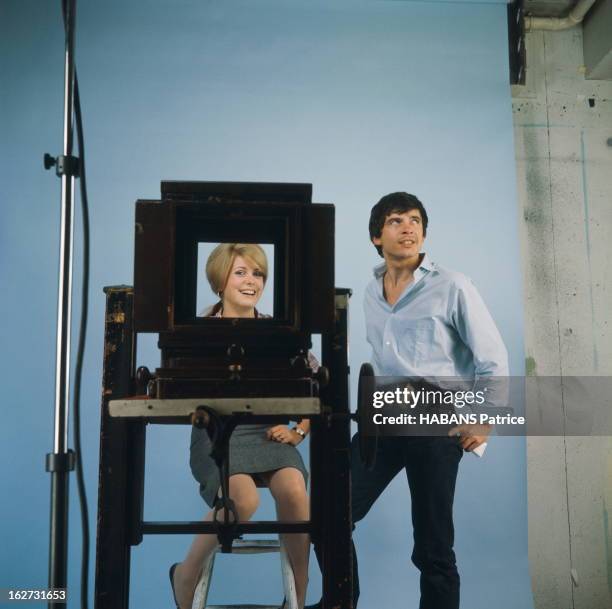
(61,461)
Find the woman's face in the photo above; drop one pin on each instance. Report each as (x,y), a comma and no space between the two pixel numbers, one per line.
(243,289)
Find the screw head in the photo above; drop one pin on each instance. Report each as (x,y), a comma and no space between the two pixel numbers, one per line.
(49,161)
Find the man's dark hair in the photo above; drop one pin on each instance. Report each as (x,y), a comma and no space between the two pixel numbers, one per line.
(394,203)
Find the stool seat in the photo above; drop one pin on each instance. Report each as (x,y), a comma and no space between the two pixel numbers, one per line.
(255,546)
(247,546)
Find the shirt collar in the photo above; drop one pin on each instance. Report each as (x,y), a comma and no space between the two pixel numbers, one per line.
(425,266)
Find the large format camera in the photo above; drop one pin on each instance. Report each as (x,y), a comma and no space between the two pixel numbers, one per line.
(220,372)
(226,357)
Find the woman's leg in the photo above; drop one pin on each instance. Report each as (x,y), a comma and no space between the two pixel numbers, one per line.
(289,491)
(243,492)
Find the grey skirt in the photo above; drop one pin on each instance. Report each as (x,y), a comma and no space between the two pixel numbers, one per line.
(250,453)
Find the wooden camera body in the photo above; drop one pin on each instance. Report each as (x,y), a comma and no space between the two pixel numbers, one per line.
(233,357)
(219,372)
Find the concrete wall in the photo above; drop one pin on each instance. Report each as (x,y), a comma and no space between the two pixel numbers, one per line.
(564,168)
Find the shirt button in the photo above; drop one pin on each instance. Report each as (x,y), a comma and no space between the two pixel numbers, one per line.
(388,343)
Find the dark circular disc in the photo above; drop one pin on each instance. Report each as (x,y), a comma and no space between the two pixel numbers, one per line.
(368,441)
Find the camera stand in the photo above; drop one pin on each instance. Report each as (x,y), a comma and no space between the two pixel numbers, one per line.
(122,459)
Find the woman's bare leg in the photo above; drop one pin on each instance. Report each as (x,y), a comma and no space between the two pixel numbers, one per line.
(243,492)
(289,491)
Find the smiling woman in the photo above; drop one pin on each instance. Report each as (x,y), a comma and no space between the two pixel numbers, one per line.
(260,455)
(243,288)
(237,273)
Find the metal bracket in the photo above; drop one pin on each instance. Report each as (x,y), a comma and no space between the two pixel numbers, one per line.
(65,165)
(60,462)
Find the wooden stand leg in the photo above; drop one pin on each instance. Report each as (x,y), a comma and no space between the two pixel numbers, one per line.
(335,512)
(113,532)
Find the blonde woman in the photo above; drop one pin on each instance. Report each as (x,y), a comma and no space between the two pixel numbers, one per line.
(237,273)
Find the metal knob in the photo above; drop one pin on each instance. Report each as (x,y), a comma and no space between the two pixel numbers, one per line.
(143,377)
(322,376)
(235,352)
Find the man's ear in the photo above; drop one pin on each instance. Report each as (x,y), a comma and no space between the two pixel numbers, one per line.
(376,240)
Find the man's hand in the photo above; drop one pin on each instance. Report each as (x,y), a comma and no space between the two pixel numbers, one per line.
(472,436)
(284,435)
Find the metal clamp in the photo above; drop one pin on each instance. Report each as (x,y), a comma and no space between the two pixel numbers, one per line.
(60,462)
(65,165)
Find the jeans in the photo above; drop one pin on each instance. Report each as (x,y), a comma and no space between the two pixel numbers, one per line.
(431,465)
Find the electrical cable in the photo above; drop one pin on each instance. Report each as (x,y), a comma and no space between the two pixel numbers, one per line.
(78,374)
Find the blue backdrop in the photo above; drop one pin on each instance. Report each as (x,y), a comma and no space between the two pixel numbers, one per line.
(359,98)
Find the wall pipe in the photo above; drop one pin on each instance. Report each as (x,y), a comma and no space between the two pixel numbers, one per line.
(573,18)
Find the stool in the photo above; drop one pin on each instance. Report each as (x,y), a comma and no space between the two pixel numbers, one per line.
(254,546)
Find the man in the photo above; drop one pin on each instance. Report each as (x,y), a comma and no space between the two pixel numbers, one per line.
(427,322)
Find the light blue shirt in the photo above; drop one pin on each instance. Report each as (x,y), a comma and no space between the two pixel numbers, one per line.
(439,327)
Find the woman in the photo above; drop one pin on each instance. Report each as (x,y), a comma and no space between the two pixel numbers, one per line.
(237,273)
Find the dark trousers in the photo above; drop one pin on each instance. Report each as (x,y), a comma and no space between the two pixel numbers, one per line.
(431,466)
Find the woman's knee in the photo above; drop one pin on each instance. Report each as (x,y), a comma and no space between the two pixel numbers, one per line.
(245,497)
(290,490)
(246,506)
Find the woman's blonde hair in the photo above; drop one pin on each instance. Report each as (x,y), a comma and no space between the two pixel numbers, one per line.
(221,260)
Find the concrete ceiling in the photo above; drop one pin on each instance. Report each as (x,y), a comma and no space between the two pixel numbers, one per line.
(548,8)
(596,28)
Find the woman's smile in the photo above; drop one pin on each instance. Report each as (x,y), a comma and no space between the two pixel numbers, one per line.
(243,289)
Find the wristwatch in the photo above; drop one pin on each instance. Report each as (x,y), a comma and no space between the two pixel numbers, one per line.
(299,431)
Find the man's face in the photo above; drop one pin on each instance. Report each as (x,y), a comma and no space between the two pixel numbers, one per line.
(402,235)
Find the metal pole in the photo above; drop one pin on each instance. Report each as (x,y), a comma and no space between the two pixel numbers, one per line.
(61,461)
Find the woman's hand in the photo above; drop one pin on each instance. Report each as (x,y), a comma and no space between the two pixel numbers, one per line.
(284,435)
